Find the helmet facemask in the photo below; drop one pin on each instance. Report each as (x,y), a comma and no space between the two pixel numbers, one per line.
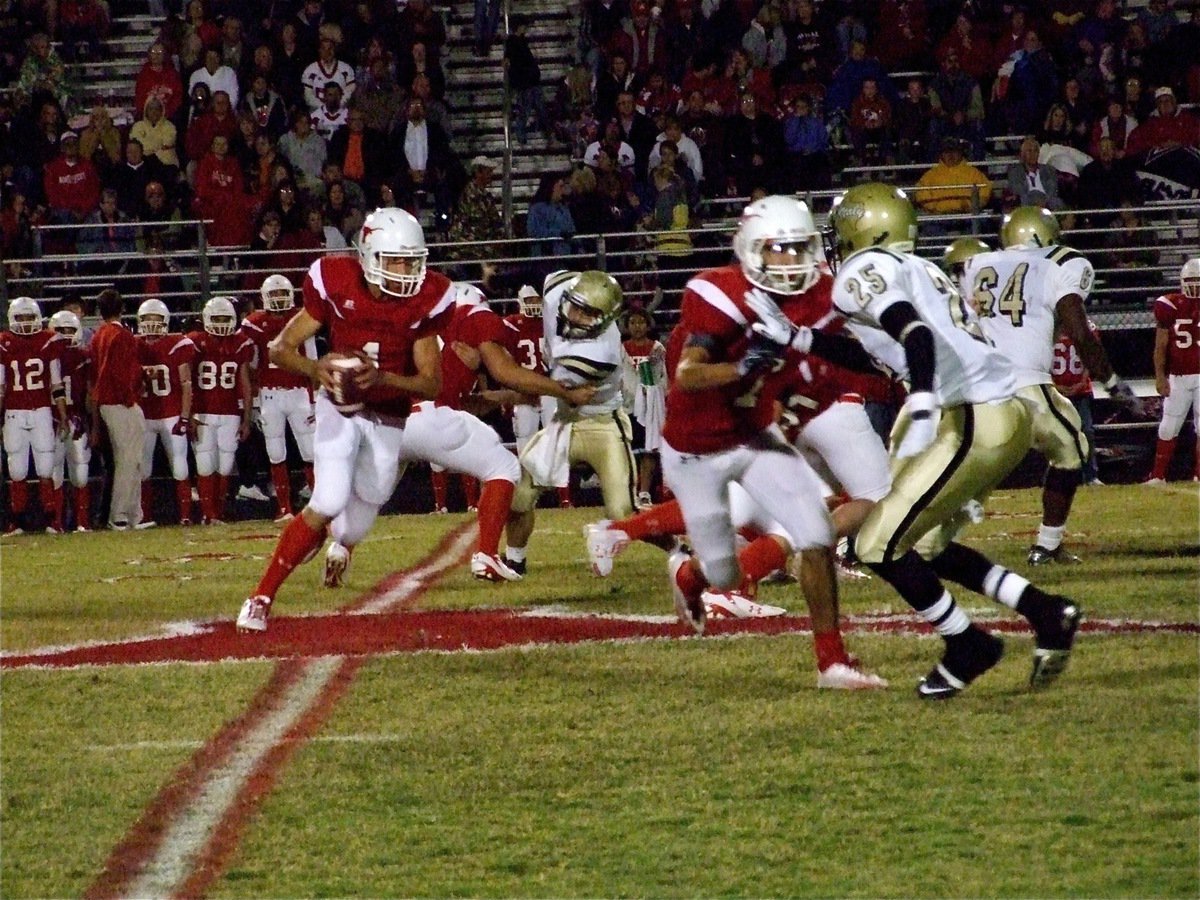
(220,317)
(278,295)
(589,306)
(1189,278)
(795,276)
(24,316)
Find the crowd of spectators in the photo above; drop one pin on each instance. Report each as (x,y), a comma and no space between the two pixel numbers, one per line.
(282,122)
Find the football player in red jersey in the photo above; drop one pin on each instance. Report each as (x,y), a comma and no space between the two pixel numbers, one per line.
(445,433)
(167,361)
(285,398)
(386,309)
(523,340)
(1074,382)
(31,386)
(72,450)
(1177,366)
(726,379)
(223,402)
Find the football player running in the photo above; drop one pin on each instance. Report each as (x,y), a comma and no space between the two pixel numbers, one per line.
(582,347)
(167,360)
(73,450)
(447,434)
(34,404)
(1177,366)
(285,398)
(223,402)
(962,429)
(385,309)
(1026,295)
(730,360)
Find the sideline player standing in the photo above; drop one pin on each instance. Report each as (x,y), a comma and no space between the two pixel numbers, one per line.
(31,386)
(1177,366)
(385,308)
(1025,294)
(962,429)
(167,402)
(719,430)
(285,398)
(72,450)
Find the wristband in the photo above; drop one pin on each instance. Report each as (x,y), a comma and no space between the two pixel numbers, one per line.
(921,404)
(802,339)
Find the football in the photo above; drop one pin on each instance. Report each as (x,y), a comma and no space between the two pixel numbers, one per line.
(346,397)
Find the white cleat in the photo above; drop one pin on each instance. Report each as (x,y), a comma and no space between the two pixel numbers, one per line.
(252,492)
(1154,482)
(603,545)
(492,568)
(841,677)
(284,518)
(337,560)
(253,616)
(736,605)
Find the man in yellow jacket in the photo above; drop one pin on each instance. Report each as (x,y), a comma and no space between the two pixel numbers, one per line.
(951,184)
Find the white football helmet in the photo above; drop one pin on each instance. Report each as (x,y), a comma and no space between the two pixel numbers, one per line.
(67,324)
(392,234)
(785,225)
(219,316)
(278,294)
(24,316)
(1189,278)
(529,301)
(153,318)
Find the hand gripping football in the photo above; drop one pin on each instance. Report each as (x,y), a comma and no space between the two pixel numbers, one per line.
(346,396)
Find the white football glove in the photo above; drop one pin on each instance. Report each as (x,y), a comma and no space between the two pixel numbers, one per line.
(773,325)
(924,415)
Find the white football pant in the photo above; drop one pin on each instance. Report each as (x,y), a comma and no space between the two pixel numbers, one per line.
(1184,396)
(281,407)
(26,431)
(174,445)
(216,443)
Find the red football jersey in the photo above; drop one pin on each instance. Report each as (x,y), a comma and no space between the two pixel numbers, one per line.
(215,386)
(337,296)
(523,340)
(717,419)
(76,367)
(1067,370)
(262,327)
(472,325)
(32,363)
(161,357)
(1180,315)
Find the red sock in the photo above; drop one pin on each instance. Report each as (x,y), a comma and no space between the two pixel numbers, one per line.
(221,486)
(18,497)
(297,542)
(183,497)
(283,488)
(1196,470)
(690,580)
(309,478)
(830,649)
(494,504)
(206,486)
(46,495)
(439,481)
(664,519)
(58,505)
(471,491)
(1162,457)
(83,507)
(760,559)
(564,497)
(147,501)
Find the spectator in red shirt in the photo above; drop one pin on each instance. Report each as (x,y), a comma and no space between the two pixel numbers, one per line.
(1165,129)
(158,78)
(221,196)
(219,120)
(71,183)
(115,393)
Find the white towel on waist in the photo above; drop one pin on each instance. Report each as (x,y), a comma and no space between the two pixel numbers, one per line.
(650,409)
(547,455)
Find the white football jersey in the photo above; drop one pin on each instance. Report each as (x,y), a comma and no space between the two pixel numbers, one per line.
(969,368)
(597,361)
(1016,294)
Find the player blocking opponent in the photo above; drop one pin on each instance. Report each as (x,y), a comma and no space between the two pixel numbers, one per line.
(385,309)
(285,398)
(719,430)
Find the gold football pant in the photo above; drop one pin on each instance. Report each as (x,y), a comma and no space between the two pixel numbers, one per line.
(975,448)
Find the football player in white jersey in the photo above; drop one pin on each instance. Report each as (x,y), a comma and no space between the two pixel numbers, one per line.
(961,431)
(582,346)
(1026,295)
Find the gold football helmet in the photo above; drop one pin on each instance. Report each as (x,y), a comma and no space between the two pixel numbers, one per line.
(871,215)
(954,257)
(1029,226)
(590,303)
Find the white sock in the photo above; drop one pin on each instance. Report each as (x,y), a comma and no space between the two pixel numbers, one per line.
(1004,586)
(946,617)
(1049,538)
(516,554)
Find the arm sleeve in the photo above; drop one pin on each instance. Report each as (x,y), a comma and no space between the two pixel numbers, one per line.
(904,326)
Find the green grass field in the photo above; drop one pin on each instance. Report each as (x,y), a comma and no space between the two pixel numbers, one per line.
(682,768)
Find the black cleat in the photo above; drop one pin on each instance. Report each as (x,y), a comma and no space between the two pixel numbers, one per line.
(1055,638)
(1040,556)
(967,657)
(518,567)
